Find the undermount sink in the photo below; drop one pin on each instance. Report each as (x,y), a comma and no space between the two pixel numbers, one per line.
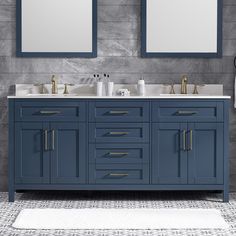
(184,95)
(50,95)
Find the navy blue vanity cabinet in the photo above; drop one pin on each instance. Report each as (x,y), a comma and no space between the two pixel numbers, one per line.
(49,143)
(190,144)
(118,144)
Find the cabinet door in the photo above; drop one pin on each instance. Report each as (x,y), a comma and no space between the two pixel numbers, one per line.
(68,154)
(31,154)
(205,153)
(169,155)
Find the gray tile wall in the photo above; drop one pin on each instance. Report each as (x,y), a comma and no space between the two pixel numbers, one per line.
(119,55)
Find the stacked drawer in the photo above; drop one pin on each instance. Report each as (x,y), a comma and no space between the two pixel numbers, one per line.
(119,142)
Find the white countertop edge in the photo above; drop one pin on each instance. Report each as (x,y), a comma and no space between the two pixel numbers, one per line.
(120,97)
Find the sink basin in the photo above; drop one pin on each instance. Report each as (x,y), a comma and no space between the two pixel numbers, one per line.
(184,95)
(50,95)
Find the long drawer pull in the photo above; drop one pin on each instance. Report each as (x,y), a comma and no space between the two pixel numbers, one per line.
(191,141)
(53,139)
(184,140)
(118,175)
(118,154)
(186,113)
(49,112)
(118,112)
(45,140)
(118,133)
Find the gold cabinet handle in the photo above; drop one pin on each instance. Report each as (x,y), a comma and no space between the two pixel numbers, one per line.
(49,112)
(53,139)
(118,112)
(118,154)
(184,140)
(191,141)
(118,175)
(186,113)
(45,140)
(118,133)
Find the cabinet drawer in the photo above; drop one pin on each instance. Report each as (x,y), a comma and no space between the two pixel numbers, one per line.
(119,133)
(118,153)
(50,111)
(119,174)
(202,111)
(119,111)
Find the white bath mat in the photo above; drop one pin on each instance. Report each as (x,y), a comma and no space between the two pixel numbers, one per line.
(120,219)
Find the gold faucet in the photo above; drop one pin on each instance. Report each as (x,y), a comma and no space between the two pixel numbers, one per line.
(54,85)
(184,82)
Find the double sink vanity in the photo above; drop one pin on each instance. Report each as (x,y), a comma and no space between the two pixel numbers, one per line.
(80,141)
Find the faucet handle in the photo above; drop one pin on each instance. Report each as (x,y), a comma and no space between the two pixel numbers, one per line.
(66,91)
(172,88)
(195,90)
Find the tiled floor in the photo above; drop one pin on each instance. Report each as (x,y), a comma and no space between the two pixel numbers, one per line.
(8,211)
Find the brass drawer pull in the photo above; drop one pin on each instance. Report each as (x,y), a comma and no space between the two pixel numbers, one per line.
(186,113)
(118,112)
(184,140)
(118,175)
(118,133)
(53,139)
(49,112)
(191,141)
(45,140)
(118,154)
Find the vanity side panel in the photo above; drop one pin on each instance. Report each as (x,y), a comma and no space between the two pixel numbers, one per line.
(226,150)
(11,150)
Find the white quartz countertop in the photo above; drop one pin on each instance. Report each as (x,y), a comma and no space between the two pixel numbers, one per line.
(88,91)
(120,97)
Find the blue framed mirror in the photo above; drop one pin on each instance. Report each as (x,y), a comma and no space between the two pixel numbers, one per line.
(56,28)
(181,28)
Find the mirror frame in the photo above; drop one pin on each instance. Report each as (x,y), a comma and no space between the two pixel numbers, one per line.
(20,53)
(146,54)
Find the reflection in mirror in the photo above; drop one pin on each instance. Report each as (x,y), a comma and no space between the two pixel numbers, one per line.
(56,28)
(181,28)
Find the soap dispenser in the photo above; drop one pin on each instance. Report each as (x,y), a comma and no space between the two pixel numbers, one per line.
(141,87)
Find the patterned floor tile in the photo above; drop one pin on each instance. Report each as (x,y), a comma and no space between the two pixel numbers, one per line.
(76,199)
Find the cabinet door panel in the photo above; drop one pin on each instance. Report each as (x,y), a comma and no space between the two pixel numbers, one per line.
(169,160)
(205,160)
(68,152)
(31,158)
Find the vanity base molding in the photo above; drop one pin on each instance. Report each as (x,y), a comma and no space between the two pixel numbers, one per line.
(139,145)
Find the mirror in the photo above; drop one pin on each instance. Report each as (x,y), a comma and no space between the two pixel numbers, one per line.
(181,28)
(56,28)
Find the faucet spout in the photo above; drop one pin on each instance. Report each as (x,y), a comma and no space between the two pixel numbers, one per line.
(184,82)
(54,85)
